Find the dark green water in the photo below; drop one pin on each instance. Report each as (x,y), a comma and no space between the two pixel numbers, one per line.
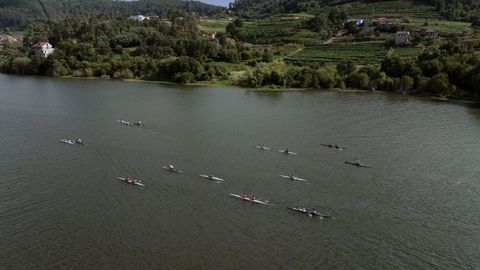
(418,207)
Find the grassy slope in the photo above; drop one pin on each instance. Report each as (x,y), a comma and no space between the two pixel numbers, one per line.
(213,25)
(448,27)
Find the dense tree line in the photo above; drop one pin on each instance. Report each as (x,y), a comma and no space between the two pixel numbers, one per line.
(449,70)
(173,50)
(22,13)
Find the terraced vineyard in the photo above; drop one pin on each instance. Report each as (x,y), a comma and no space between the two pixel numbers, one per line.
(444,27)
(397,9)
(278,29)
(359,52)
(408,51)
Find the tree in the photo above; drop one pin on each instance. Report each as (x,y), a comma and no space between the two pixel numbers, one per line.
(439,84)
(432,67)
(255,79)
(184,77)
(403,84)
(346,67)
(357,80)
(267,56)
(20,65)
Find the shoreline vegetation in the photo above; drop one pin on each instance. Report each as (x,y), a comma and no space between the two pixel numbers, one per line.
(278,89)
(283,52)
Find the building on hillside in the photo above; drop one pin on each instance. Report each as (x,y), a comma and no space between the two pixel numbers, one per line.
(383,20)
(357,21)
(402,38)
(431,34)
(44,47)
(7,38)
(211,35)
(139,18)
(290,18)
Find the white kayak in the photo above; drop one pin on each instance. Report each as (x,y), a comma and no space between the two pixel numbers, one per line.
(248,199)
(262,147)
(68,141)
(286,152)
(171,170)
(294,178)
(126,123)
(132,183)
(211,177)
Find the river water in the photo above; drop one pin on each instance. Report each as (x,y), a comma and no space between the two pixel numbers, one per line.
(418,207)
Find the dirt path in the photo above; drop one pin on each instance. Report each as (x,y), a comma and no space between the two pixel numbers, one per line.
(336,36)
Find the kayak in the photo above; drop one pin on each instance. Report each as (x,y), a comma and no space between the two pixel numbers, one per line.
(132,183)
(126,123)
(286,152)
(294,178)
(261,147)
(248,199)
(171,170)
(211,177)
(68,141)
(337,147)
(358,164)
(80,142)
(310,213)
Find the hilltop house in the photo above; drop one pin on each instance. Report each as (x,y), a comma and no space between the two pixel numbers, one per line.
(44,47)
(402,38)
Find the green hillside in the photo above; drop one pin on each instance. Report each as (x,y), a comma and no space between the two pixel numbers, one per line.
(20,13)
(454,10)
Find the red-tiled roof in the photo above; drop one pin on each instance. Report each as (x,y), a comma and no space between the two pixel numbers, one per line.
(39,44)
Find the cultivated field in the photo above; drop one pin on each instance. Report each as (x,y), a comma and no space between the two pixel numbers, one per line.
(396,9)
(446,27)
(359,52)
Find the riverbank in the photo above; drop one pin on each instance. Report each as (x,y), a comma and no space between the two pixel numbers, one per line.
(272,88)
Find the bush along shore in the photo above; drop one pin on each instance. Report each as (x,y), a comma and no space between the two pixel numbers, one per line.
(175,49)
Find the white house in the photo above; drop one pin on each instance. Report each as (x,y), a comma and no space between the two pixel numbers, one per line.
(44,47)
(139,18)
(402,38)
